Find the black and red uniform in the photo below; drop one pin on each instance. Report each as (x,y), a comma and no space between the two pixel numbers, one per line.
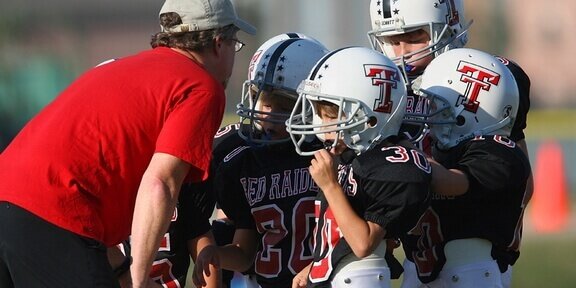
(409,243)
(491,209)
(388,185)
(269,189)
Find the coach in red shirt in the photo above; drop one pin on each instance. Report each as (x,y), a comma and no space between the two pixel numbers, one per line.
(113,147)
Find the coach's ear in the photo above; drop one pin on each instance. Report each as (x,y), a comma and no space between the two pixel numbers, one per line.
(220,46)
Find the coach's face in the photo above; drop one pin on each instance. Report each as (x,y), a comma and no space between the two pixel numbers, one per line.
(228,58)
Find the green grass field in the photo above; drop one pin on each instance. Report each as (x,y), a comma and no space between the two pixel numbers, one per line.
(545,262)
(557,124)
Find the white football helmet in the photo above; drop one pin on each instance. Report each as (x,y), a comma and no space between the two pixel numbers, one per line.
(471,93)
(369,90)
(279,65)
(443,20)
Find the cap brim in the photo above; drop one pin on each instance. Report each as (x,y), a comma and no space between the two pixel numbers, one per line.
(398,32)
(245,26)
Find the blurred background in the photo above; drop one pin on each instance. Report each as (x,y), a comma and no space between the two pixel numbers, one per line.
(46,44)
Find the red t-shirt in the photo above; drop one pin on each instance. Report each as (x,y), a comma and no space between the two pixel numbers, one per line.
(79,162)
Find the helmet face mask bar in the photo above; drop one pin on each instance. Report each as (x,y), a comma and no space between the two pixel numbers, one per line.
(305,122)
(252,115)
(440,115)
(405,61)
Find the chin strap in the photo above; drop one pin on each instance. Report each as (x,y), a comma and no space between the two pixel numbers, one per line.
(492,128)
(486,130)
(347,156)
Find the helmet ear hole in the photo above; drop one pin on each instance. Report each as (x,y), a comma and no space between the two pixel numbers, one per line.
(460,120)
(372,121)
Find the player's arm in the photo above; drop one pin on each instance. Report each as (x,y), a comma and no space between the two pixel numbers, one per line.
(212,278)
(237,256)
(120,265)
(155,202)
(448,182)
(362,236)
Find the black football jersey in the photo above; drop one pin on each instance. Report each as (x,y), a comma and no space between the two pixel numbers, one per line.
(269,189)
(491,209)
(388,185)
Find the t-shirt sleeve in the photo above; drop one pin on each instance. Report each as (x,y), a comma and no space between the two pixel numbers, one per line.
(189,128)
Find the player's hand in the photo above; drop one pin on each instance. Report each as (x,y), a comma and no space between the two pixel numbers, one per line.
(125,280)
(150,284)
(392,244)
(301,279)
(153,284)
(323,170)
(208,256)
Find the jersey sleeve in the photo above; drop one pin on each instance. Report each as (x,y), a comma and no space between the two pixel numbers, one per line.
(396,183)
(492,168)
(230,197)
(396,206)
(197,205)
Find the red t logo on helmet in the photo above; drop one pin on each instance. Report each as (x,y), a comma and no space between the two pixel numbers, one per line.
(387,78)
(477,78)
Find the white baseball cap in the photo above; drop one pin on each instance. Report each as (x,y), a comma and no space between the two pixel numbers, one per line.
(199,15)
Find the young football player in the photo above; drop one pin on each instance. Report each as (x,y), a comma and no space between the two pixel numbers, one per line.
(473,228)
(372,186)
(412,33)
(264,186)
